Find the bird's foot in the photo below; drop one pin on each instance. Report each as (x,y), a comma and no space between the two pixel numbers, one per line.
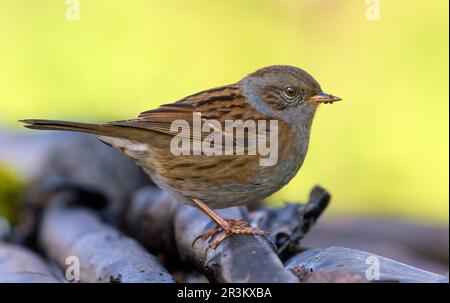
(229,228)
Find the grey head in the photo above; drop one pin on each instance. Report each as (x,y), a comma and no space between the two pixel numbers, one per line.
(285,92)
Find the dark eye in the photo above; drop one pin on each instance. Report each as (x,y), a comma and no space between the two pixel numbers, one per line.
(290,91)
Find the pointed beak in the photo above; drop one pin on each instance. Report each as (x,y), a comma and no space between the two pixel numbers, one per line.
(323,98)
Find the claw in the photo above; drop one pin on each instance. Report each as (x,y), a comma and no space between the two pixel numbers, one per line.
(232,227)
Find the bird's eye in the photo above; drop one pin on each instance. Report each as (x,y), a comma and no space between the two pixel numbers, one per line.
(290,91)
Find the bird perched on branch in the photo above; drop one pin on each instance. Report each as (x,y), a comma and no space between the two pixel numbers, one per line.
(197,168)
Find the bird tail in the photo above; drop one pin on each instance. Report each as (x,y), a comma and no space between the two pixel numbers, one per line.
(96,129)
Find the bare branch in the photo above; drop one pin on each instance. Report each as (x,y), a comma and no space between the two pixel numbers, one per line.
(19,265)
(356,262)
(239,258)
(105,254)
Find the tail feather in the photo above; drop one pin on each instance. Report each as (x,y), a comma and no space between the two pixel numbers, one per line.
(96,129)
(61,125)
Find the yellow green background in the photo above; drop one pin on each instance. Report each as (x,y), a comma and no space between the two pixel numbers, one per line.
(383,150)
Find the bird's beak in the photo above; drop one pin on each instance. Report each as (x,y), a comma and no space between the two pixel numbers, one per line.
(323,98)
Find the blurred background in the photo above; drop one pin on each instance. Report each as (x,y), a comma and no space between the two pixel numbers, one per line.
(382,151)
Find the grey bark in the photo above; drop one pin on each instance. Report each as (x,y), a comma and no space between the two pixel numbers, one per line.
(149,217)
(150,214)
(421,244)
(104,253)
(20,265)
(360,263)
(239,258)
(290,223)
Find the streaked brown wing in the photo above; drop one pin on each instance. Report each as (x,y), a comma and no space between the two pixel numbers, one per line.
(222,103)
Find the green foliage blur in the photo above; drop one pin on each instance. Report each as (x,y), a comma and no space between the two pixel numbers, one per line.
(10,193)
(383,150)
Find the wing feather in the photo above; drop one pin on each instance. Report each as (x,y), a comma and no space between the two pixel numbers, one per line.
(222,103)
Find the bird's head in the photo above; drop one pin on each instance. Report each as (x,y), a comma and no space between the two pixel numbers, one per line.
(286,92)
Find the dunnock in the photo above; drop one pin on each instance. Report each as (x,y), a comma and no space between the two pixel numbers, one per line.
(285,94)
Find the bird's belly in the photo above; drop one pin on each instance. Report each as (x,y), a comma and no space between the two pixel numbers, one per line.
(222,193)
(226,181)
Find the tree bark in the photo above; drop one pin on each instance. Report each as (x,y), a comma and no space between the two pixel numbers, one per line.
(104,254)
(290,223)
(239,258)
(149,217)
(20,265)
(349,262)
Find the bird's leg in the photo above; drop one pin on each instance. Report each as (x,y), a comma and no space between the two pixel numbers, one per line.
(229,226)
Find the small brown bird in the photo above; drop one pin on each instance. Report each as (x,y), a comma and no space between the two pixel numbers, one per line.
(285,94)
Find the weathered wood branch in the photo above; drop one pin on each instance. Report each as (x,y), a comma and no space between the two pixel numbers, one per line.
(421,244)
(150,214)
(149,217)
(104,254)
(346,263)
(20,265)
(290,223)
(239,258)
